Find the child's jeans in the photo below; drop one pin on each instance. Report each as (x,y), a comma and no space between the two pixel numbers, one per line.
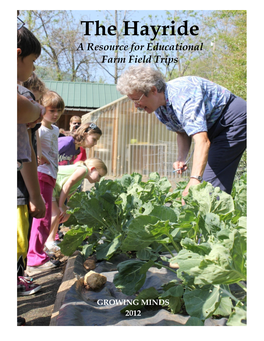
(41,227)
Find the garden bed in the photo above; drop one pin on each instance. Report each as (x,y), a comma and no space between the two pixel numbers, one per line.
(82,307)
(147,223)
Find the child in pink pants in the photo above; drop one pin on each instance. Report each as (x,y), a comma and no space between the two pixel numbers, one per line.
(37,259)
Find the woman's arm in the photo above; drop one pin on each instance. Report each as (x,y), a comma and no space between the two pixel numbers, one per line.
(200,156)
(184,143)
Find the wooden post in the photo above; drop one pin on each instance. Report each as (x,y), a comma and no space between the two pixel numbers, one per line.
(115,140)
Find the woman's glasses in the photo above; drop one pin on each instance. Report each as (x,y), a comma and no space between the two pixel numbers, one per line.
(137,101)
(20,23)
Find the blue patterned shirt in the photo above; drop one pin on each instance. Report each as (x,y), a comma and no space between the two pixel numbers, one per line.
(193,104)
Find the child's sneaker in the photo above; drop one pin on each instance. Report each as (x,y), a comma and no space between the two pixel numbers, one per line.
(26,278)
(32,270)
(51,248)
(25,287)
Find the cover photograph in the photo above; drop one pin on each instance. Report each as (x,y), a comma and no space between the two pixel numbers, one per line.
(132,166)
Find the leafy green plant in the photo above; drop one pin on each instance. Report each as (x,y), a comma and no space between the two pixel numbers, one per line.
(212,256)
(106,211)
(207,235)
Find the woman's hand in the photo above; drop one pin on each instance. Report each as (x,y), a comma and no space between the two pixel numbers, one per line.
(192,182)
(183,143)
(180,166)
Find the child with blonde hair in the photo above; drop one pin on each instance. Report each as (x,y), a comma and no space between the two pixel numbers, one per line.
(75,122)
(37,259)
(69,178)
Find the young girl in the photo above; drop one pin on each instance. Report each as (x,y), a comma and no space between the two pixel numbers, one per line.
(38,260)
(85,136)
(68,179)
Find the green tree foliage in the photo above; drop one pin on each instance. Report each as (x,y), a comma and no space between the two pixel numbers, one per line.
(229,56)
(223,61)
(59,36)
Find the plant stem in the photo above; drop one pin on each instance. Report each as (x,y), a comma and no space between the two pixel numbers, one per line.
(242,286)
(168,249)
(176,247)
(166,267)
(229,294)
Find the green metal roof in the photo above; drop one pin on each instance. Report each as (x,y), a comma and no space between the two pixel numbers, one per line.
(84,95)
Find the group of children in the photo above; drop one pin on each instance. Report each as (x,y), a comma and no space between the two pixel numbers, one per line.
(50,167)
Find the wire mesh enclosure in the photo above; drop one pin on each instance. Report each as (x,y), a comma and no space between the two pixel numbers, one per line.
(134,141)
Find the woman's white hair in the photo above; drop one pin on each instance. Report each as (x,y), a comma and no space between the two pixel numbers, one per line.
(140,78)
